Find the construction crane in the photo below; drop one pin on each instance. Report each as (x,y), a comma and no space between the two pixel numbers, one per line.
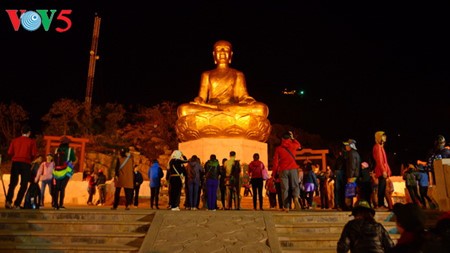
(93,57)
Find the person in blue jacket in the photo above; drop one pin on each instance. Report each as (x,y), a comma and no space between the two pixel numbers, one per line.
(155,174)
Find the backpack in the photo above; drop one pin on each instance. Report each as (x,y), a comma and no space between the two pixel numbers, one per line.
(235,173)
(61,159)
(212,170)
(410,178)
(32,196)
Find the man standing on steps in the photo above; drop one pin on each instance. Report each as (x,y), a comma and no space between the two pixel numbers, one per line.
(123,178)
(233,174)
(23,150)
(286,168)
(352,168)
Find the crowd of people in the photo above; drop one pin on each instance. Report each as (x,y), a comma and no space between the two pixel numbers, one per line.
(290,185)
(357,187)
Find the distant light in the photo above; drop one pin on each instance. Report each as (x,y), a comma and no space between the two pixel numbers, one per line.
(301,92)
(289,92)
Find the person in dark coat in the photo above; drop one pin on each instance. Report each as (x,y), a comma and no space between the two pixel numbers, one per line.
(138,180)
(353,165)
(363,234)
(176,170)
(101,186)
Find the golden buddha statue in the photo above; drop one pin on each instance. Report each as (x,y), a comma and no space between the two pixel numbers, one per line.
(223,107)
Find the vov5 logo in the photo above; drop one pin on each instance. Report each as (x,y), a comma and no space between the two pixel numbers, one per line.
(32,20)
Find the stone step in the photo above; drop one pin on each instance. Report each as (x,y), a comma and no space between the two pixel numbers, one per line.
(72,237)
(319,228)
(310,250)
(79,214)
(74,230)
(58,248)
(319,216)
(74,226)
(310,240)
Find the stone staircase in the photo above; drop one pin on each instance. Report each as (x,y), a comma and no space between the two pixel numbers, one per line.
(74,230)
(315,231)
(100,230)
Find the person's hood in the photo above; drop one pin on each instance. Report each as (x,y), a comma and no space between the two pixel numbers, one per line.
(285,142)
(378,136)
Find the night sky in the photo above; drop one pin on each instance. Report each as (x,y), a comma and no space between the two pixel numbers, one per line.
(364,67)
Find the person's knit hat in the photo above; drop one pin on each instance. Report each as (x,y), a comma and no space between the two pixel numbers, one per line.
(440,139)
(409,216)
(286,135)
(65,140)
(378,136)
(350,143)
(361,207)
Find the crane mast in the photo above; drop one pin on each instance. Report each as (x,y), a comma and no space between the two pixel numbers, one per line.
(93,57)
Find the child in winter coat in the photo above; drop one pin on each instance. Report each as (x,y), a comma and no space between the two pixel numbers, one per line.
(91,188)
(101,186)
(271,190)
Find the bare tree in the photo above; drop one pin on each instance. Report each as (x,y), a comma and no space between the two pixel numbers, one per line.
(152,129)
(11,119)
(65,117)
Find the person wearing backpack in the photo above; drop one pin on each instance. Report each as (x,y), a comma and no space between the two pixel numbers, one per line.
(409,175)
(176,170)
(194,171)
(65,160)
(212,172)
(233,169)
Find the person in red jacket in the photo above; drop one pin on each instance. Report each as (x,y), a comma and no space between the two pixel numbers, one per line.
(23,150)
(382,169)
(286,168)
(255,169)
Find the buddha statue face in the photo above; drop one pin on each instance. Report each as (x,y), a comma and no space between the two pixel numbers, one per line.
(222,52)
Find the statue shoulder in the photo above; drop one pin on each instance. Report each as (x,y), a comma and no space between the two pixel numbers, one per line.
(236,72)
(206,73)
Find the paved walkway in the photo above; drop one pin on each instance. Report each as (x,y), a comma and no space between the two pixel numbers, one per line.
(211,231)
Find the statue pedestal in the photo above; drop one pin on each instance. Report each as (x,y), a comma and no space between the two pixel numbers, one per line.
(441,191)
(221,147)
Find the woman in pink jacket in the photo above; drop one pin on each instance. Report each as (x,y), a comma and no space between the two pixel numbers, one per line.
(45,175)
